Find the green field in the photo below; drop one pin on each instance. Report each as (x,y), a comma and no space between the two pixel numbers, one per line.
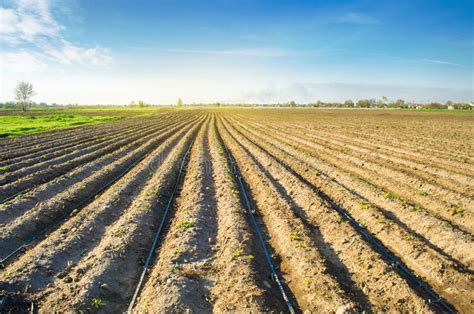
(20,125)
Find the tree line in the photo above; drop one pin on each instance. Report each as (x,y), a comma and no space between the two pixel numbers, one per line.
(24,92)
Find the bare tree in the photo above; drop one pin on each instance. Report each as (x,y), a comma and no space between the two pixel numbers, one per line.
(23,92)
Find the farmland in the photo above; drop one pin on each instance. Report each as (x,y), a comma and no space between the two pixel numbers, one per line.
(218,210)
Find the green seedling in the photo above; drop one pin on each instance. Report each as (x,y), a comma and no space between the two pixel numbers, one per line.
(96,303)
(7,274)
(249,257)
(120,233)
(294,236)
(4,168)
(185,224)
(301,245)
(364,205)
(423,193)
(307,282)
(237,253)
(409,237)
(457,209)
(390,195)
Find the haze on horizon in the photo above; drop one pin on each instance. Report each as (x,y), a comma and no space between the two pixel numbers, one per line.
(247,51)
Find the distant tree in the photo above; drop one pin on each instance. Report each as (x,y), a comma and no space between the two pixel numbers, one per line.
(348,103)
(132,104)
(384,99)
(180,103)
(141,104)
(434,105)
(400,103)
(23,93)
(363,103)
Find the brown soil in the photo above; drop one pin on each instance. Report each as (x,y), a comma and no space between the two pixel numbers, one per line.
(406,177)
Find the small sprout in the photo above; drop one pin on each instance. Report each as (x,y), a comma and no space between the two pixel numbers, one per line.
(307,282)
(7,274)
(301,245)
(237,253)
(120,233)
(294,236)
(185,224)
(423,193)
(457,209)
(4,168)
(96,302)
(390,195)
(409,237)
(364,205)
(418,208)
(249,257)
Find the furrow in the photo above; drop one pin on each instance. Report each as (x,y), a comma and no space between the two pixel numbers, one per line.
(38,218)
(304,269)
(393,189)
(351,258)
(54,256)
(436,234)
(48,173)
(109,271)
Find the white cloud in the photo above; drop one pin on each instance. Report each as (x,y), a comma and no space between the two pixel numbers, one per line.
(28,21)
(238,52)
(30,31)
(21,62)
(68,53)
(441,62)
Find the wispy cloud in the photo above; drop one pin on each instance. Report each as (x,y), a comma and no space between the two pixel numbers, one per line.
(441,62)
(238,52)
(22,62)
(357,18)
(311,92)
(30,32)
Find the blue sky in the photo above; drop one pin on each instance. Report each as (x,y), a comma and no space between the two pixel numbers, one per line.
(113,52)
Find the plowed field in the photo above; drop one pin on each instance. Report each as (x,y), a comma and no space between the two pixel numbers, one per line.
(247,210)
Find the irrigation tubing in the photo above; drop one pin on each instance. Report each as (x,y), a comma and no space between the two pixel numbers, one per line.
(82,204)
(268,259)
(23,191)
(10,305)
(154,244)
(9,198)
(433,297)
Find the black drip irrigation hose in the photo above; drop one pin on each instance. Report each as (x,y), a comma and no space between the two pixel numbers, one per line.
(432,297)
(10,305)
(268,259)
(9,198)
(81,205)
(154,244)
